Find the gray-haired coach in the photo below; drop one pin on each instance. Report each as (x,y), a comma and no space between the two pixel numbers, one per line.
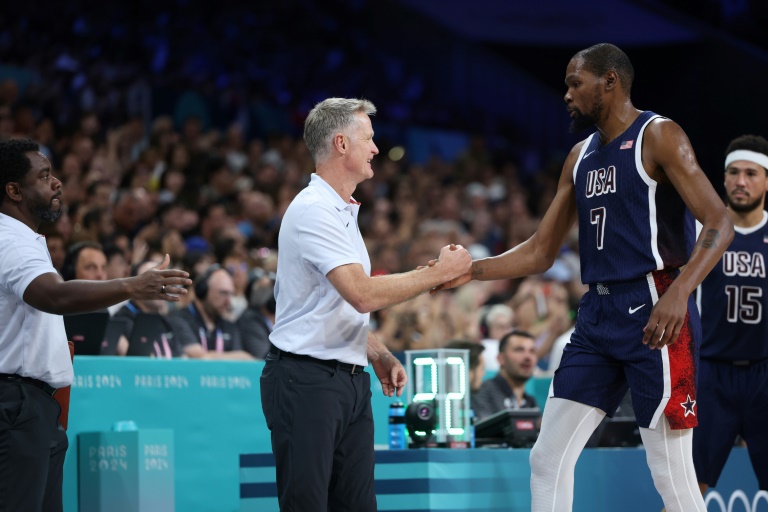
(315,395)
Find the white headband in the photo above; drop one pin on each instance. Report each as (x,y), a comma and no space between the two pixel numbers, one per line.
(745,154)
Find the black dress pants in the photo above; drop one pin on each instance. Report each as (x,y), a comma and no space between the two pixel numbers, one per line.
(32,449)
(322,436)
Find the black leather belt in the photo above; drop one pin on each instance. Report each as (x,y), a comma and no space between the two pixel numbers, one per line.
(47,389)
(354,369)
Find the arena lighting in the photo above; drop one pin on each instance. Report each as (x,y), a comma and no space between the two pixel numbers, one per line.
(396,153)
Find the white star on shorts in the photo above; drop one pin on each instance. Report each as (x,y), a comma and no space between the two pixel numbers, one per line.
(688,405)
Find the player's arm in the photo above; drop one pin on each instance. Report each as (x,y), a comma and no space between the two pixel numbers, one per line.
(368,294)
(49,293)
(668,155)
(538,253)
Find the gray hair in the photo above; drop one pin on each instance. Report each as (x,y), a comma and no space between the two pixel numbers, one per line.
(499,311)
(328,118)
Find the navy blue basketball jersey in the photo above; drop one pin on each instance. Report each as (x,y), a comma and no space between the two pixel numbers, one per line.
(733,299)
(629,224)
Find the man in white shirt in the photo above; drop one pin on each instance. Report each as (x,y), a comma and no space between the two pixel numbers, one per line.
(34,357)
(314,394)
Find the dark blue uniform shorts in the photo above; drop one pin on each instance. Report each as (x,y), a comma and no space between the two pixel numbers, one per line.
(606,355)
(733,401)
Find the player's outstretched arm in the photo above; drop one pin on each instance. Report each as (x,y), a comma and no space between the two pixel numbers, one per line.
(538,253)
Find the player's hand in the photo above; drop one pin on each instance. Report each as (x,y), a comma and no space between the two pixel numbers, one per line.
(160,283)
(453,283)
(666,321)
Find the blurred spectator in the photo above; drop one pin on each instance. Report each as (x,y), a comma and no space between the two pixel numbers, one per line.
(556,354)
(557,321)
(517,361)
(95,224)
(55,243)
(85,260)
(204,329)
(497,321)
(117,267)
(542,308)
(425,322)
(126,315)
(257,321)
(99,195)
(238,267)
(476,364)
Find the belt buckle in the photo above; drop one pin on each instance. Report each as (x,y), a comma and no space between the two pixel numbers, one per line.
(352,371)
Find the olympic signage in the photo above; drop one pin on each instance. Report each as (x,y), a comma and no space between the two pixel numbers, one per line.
(738,502)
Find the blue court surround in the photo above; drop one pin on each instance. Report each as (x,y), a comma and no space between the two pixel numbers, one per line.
(437,480)
(213,408)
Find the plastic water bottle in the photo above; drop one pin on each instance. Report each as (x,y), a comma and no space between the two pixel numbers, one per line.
(471,428)
(397,436)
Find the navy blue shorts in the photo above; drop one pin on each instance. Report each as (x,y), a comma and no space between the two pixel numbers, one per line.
(734,401)
(606,355)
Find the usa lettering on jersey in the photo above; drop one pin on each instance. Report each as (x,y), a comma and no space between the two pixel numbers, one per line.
(744,264)
(601,181)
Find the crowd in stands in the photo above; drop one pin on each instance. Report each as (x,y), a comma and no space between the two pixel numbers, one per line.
(205,197)
(212,191)
(209,197)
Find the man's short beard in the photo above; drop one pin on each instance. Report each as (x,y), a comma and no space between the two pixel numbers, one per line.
(583,121)
(48,214)
(744,208)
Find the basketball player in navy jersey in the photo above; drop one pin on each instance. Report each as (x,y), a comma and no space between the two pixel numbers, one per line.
(733,299)
(630,185)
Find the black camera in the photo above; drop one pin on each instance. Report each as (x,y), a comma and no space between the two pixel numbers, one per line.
(421,420)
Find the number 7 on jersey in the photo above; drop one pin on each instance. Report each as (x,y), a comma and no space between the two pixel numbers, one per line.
(597,217)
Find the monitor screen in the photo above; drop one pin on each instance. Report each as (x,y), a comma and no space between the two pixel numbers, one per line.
(516,428)
(86,330)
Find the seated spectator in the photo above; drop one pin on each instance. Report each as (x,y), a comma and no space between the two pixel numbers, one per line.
(85,260)
(494,324)
(229,250)
(125,316)
(117,265)
(542,309)
(257,321)
(204,329)
(556,354)
(517,361)
(476,364)
(55,243)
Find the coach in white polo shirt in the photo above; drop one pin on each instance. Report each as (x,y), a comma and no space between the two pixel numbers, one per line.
(34,356)
(315,397)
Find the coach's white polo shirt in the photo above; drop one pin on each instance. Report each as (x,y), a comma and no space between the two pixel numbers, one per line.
(319,232)
(32,343)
